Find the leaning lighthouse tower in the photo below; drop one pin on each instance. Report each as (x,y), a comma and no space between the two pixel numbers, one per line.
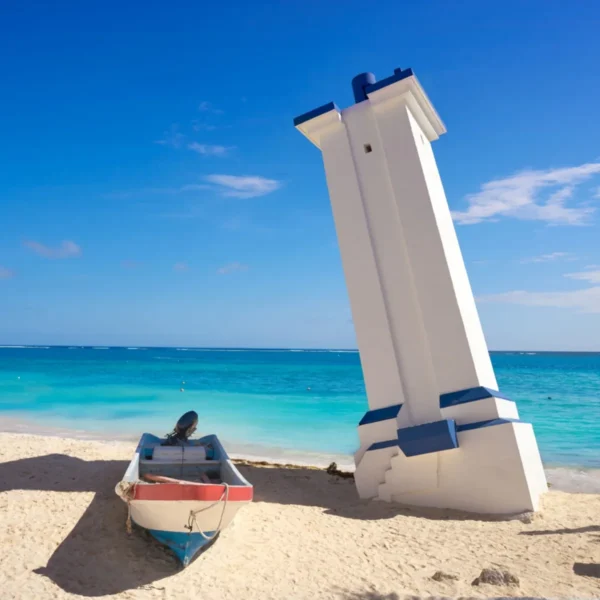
(438,432)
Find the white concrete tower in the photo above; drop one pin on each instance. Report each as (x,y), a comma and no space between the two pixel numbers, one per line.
(438,432)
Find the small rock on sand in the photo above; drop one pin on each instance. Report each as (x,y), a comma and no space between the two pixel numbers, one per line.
(443,576)
(494,576)
(528,517)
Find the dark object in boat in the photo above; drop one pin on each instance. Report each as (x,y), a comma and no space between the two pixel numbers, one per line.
(184,428)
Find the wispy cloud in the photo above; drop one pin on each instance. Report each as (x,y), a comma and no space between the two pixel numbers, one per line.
(206,106)
(521,196)
(198,126)
(182,189)
(234,267)
(180,266)
(167,191)
(172,138)
(553,256)
(233,224)
(210,150)
(186,212)
(585,300)
(6,273)
(243,187)
(119,195)
(191,187)
(131,264)
(225,185)
(589,276)
(67,249)
(239,223)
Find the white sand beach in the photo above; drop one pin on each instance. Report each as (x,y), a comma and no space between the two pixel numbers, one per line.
(306,535)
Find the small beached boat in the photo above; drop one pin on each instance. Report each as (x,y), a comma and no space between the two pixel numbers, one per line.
(184,492)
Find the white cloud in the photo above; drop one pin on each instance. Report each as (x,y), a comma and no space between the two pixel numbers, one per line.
(206,106)
(243,187)
(234,267)
(589,276)
(550,257)
(67,249)
(172,138)
(209,150)
(586,300)
(226,185)
(180,266)
(6,273)
(519,196)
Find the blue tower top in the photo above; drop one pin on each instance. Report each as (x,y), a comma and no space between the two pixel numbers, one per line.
(362,86)
(359,85)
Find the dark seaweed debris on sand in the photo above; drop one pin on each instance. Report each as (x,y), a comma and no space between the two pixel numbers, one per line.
(332,469)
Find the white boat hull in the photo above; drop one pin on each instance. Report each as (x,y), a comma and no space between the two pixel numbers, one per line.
(183,514)
(175,516)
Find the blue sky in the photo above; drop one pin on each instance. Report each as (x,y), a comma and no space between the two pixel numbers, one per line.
(153,190)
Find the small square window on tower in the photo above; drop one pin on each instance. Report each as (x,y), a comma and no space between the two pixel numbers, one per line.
(368,148)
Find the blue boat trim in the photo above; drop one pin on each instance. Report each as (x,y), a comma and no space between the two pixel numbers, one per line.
(490,423)
(428,438)
(382,445)
(185,545)
(469,395)
(380,414)
(398,75)
(316,112)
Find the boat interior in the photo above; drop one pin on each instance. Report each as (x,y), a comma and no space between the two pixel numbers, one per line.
(199,461)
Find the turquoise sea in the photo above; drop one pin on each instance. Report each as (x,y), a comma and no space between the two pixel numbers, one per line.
(271,403)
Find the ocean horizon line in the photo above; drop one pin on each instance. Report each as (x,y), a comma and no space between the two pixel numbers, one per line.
(251,349)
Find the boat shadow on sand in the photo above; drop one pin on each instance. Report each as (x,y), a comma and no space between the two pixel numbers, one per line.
(99,558)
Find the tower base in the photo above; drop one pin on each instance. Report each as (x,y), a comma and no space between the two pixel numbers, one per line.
(490,466)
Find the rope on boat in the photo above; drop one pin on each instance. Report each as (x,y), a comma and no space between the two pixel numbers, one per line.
(192,519)
(129,493)
(128,527)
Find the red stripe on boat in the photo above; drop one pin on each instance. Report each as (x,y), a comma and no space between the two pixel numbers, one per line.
(189,491)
